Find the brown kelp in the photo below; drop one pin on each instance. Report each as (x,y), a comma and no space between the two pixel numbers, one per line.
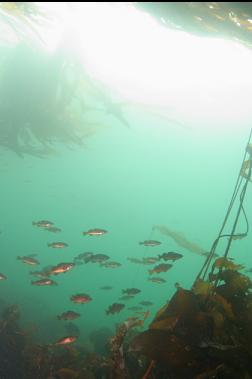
(180,239)
(206,329)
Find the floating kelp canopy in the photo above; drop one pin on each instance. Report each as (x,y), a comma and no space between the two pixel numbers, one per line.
(232,20)
(46,98)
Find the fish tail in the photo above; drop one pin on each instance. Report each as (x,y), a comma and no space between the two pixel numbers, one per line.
(84,233)
(150,272)
(49,244)
(19,257)
(141,243)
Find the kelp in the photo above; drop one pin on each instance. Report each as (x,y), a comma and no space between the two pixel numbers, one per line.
(229,20)
(38,108)
(180,239)
(203,331)
(226,263)
(48,99)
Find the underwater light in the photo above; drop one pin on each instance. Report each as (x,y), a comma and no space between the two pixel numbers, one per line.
(146,62)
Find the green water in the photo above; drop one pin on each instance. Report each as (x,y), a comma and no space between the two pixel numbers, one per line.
(125,181)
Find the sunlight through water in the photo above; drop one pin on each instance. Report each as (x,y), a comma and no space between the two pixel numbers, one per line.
(145,62)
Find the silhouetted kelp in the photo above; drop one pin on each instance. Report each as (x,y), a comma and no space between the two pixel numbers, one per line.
(37,102)
(45,98)
(229,20)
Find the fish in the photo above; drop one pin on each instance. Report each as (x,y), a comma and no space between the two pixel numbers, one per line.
(81,298)
(115,308)
(146,303)
(69,315)
(106,288)
(40,274)
(135,260)
(61,268)
(144,261)
(150,243)
(126,297)
(57,245)
(150,260)
(157,280)
(53,229)
(66,340)
(95,232)
(111,264)
(84,256)
(163,267)
(180,239)
(44,282)
(98,258)
(28,260)
(2,277)
(135,308)
(170,256)
(44,273)
(131,291)
(43,224)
